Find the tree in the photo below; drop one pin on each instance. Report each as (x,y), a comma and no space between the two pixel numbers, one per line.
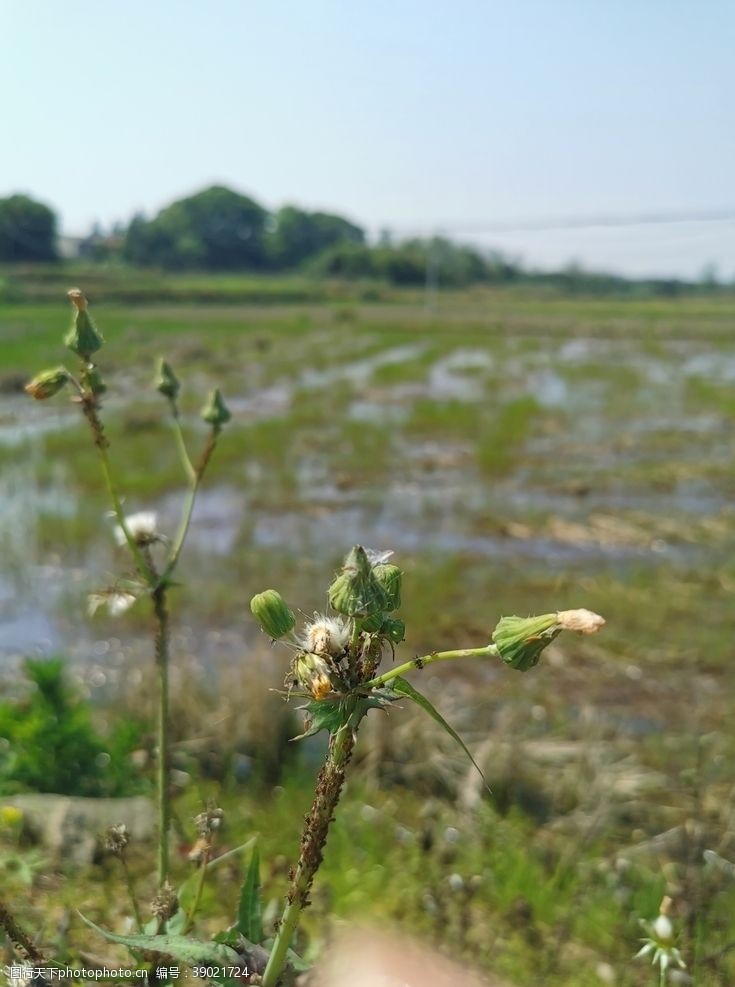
(216,229)
(27,230)
(299,235)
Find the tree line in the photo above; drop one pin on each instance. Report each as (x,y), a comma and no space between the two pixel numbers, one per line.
(219,229)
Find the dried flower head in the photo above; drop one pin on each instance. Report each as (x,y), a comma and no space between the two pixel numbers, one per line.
(165,904)
(209,821)
(117,838)
(326,636)
(313,673)
(583,621)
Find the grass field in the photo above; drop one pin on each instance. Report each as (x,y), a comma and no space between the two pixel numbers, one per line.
(520,454)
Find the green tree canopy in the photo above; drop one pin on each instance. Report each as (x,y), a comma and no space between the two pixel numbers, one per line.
(216,229)
(298,235)
(27,230)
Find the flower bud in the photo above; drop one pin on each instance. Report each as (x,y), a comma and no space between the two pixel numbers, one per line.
(47,383)
(520,640)
(356,592)
(312,673)
(663,930)
(394,629)
(389,576)
(166,382)
(83,338)
(215,411)
(271,612)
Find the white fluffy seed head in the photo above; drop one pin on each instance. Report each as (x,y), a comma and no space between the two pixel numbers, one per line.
(326,636)
(142,528)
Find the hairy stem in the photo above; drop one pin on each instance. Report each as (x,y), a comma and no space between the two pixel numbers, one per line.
(161,649)
(314,836)
(89,408)
(407,666)
(17,936)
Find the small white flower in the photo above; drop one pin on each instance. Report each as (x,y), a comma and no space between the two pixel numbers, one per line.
(117,602)
(326,636)
(659,944)
(142,527)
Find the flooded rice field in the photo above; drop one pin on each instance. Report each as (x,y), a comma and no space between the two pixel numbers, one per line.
(514,453)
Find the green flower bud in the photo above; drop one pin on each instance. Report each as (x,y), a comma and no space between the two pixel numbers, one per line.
(47,383)
(520,640)
(215,411)
(313,674)
(83,338)
(166,382)
(271,612)
(389,576)
(394,629)
(94,381)
(356,592)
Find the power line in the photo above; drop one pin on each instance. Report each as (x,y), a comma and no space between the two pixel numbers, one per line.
(480,227)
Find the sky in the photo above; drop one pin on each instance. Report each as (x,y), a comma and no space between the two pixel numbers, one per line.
(422,117)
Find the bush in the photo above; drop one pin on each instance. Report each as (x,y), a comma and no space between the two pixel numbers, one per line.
(48,742)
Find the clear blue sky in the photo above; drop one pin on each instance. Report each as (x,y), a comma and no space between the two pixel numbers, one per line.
(407,114)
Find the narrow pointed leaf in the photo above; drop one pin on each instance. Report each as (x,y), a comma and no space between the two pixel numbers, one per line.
(404,688)
(187,891)
(250,909)
(181,948)
(719,862)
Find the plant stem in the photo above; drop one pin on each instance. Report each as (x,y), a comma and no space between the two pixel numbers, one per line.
(181,444)
(407,666)
(314,836)
(17,936)
(89,408)
(161,655)
(197,475)
(197,896)
(131,892)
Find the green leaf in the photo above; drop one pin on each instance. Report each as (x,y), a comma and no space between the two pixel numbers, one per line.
(250,909)
(323,714)
(404,688)
(185,950)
